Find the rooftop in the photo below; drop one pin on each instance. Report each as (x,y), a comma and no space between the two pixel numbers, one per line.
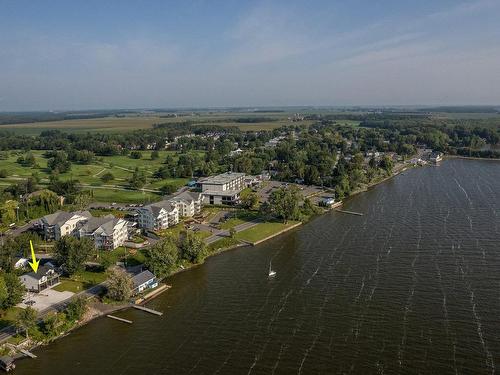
(223,178)
(142,278)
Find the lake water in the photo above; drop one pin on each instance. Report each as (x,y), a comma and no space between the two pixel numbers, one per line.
(413,286)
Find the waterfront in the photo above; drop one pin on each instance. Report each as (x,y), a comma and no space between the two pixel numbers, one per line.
(413,286)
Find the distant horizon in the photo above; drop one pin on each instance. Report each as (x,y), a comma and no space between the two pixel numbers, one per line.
(67,56)
(251,108)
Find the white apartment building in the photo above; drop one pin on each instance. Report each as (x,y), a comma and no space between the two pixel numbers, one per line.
(107,232)
(158,216)
(224,188)
(188,203)
(61,223)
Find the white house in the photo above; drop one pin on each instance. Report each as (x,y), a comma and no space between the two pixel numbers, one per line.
(107,232)
(61,223)
(224,188)
(142,281)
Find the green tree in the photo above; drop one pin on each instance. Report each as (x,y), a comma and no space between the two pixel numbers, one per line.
(72,253)
(192,247)
(4,292)
(250,200)
(168,189)
(162,257)
(107,177)
(284,203)
(76,308)
(59,162)
(4,173)
(8,213)
(26,320)
(15,290)
(136,155)
(119,286)
(155,155)
(138,179)
(52,324)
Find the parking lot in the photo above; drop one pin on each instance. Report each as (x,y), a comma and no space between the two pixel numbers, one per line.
(269,186)
(45,299)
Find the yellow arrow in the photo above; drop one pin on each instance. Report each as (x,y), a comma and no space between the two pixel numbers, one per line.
(35,262)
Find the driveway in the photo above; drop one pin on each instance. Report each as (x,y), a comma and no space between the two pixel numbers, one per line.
(45,299)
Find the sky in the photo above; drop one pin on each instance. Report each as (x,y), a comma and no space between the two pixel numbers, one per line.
(72,55)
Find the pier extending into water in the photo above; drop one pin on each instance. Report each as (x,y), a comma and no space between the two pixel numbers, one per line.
(350,212)
(151,311)
(119,319)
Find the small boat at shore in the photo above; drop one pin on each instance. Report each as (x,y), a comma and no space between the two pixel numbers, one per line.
(271,272)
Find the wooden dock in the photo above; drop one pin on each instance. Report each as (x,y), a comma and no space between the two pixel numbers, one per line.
(119,319)
(151,311)
(350,212)
(27,353)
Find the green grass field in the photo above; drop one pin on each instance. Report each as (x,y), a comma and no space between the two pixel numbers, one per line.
(263,230)
(121,167)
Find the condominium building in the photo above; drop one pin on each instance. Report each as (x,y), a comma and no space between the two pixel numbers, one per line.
(224,188)
(106,232)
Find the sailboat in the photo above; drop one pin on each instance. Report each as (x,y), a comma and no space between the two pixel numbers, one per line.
(271,272)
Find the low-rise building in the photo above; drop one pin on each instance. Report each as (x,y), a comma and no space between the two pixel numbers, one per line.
(106,232)
(158,216)
(188,203)
(436,157)
(142,281)
(45,277)
(62,223)
(224,188)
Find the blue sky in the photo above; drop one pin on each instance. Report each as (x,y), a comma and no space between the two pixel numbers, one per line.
(58,55)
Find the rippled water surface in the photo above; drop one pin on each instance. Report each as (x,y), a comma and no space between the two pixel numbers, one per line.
(413,286)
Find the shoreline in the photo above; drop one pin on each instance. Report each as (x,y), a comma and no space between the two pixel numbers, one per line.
(221,251)
(469,158)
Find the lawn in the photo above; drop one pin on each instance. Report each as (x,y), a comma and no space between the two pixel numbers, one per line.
(9,316)
(89,175)
(80,281)
(221,244)
(132,257)
(262,230)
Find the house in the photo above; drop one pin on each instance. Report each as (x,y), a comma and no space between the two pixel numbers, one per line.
(142,281)
(188,203)
(106,232)
(62,223)
(435,157)
(236,152)
(45,277)
(224,188)
(158,216)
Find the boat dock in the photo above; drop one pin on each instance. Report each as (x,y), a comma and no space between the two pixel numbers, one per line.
(350,212)
(119,319)
(151,311)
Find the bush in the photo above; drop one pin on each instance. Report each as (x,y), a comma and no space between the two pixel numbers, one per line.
(4,173)
(76,308)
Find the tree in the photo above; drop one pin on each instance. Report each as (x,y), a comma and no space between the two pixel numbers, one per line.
(138,179)
(76,308)
(155,155)
(232,232)
(72,253)
(284,203)
(59,162)
(4,173)
(26,320)
(250,200)
(168,189)
(15,290)
(52,324)
(107,177)
(162,257)
(8,212)
(387,164)
(192,247)
(4,292)
(136,155)
(119,287)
